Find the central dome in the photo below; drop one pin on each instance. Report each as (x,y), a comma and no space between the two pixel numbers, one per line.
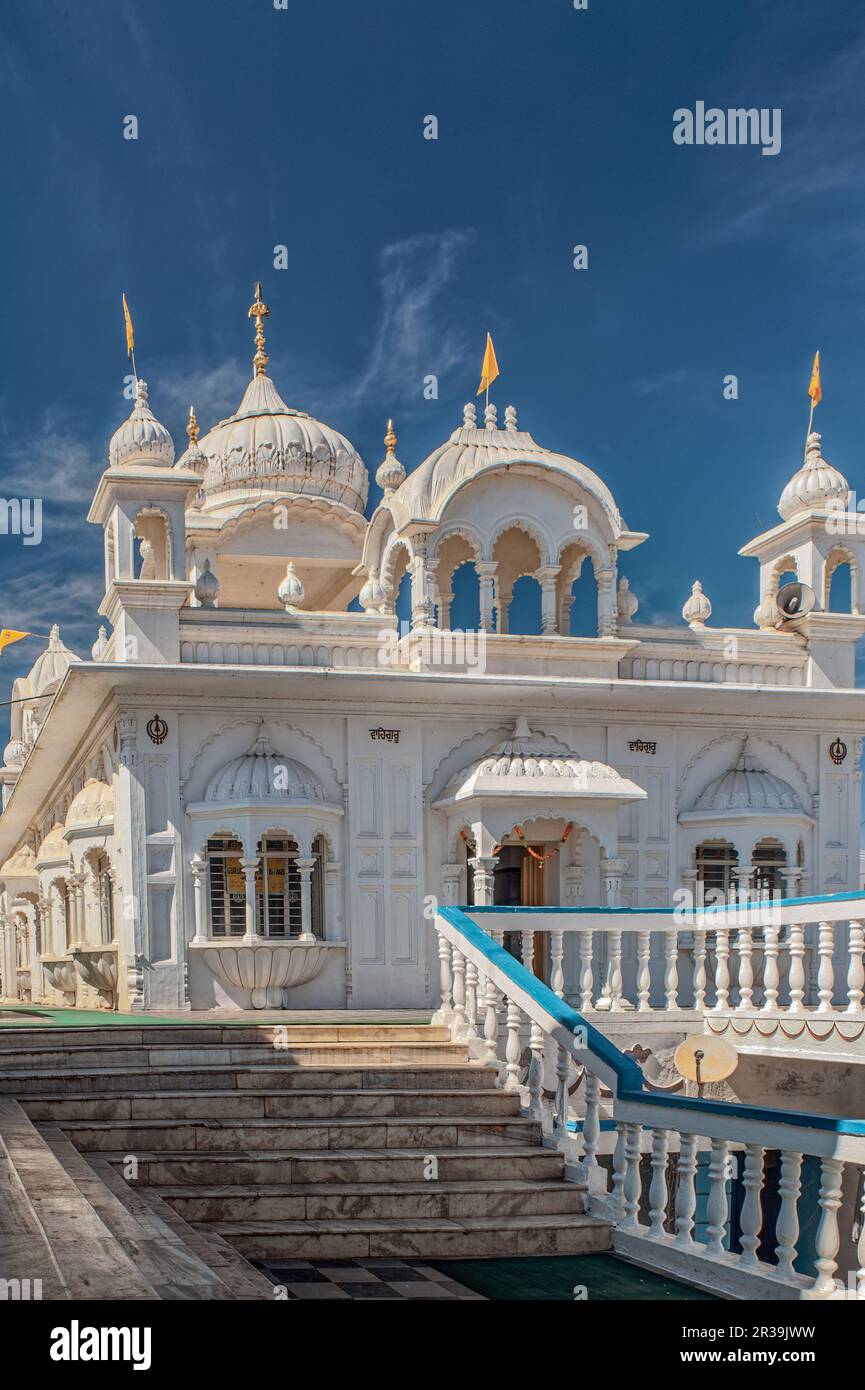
(267,448)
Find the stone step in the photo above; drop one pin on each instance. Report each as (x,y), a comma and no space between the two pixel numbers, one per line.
(36,1039)
(398,1132)
(349,1166)
(177,1261)
(273,1105)
(453,1201)
(314,1053)
(477,1238)
(463,1076)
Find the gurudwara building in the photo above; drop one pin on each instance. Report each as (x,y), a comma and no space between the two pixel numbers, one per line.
(252,791)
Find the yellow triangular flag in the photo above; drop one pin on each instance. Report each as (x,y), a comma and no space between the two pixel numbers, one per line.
(490,368)
(130,336)
(9,635)
(815,391)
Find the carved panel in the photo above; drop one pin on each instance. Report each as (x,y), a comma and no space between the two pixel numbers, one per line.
(402,802)
(403,925)
(370,926)
(368,799)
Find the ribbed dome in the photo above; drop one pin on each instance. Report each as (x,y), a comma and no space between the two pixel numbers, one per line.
(263,774)
(53,847)
(748,787)
(93,805)
(141,438)
(21,864)
(14,753)
(524,764)
(266,446)
(815,484)
(51,665)
(471,450)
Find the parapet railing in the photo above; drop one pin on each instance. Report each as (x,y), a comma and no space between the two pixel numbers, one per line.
(662,1216)
(787,956)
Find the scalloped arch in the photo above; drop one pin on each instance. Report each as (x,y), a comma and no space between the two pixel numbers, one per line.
(530,526)
(756,739)
(497,731)
(276,723)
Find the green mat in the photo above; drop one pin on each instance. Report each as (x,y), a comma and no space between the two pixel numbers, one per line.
(32,1015)
(555,1278)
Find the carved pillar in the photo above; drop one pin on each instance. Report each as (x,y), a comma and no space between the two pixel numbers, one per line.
(331,916)
(305,866)
(606,579)
(486,574)
(483,871)
(198,864)
(249,867)
(546,577)
(421,603)
(573,885)
(451,876)
(446,598)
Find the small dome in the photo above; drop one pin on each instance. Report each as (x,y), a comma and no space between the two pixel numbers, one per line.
(525,765)
(93,805)
(390,474)
(263,774)
(14,753)
(53,848)
(748,787)
(141,438)
(51,665)
(21,864)
(815,484)
(207,586)
(192,459)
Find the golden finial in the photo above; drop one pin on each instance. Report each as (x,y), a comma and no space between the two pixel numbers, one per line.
(390,438)
(258,310)
(192,428)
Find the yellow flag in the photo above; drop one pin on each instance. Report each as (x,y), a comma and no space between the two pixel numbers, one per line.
(130,336)
(9,635)
(490,368)
(815,390)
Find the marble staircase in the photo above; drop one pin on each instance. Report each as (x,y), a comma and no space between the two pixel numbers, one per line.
(356,1141)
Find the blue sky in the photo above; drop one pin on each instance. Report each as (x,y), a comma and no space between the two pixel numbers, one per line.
(304,127)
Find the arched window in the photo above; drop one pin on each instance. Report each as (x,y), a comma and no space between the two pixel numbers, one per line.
(769,859)
(465,611)
(715,864)
(227,887)
(104,898)
(524,612)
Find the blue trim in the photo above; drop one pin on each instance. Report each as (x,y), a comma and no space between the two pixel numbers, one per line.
(629,1077)
(756,903)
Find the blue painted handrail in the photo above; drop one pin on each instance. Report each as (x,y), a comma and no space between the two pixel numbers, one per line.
(629,1078)
(717,908)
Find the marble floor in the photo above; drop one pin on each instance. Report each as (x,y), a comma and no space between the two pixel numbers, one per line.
(403,1280)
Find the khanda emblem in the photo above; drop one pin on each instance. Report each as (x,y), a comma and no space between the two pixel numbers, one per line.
(837,751)
(157,729)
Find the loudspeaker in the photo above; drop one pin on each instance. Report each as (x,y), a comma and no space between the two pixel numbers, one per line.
(795,600)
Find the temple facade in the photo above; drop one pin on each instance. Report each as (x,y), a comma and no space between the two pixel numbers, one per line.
(259,786)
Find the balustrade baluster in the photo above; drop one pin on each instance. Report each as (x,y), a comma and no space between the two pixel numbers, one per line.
(826,969)
(745,945)
(471,999)
(716,1205)
(827,1240)
(860,1244)
(671,970)
(771,977)
(527,950)
(491,1024)
(700,970)
(855,970)
(686,1195)
(787,1223)
(592,1121)
(536,1071)
(618,1171)
(796,940)
(614,977)
(632,1184)
(512,1047)
(722,969)
(658,1185)
(587,979)
(563,1066)
(644,977)
(459,977)
(445,975)
(557,953)
(751,1219)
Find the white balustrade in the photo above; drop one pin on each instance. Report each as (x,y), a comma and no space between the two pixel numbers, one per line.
(692,1146)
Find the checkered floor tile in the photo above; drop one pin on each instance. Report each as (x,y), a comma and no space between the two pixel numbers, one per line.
(330,1279)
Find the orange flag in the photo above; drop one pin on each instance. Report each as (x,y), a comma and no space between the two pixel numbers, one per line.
(130,336)
(815,390)
(9,635)
(490,368)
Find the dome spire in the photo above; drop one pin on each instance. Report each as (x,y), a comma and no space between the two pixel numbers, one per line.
(192,426)
(390,474)
(258,310)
